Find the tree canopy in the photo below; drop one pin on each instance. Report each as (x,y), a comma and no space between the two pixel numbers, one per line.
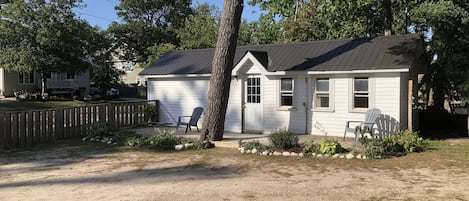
(44,36)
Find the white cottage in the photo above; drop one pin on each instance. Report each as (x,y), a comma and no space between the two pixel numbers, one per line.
(309,88)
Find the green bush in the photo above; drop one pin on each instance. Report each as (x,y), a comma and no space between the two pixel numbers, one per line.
(395,145)
(310,147)
(411,142)
(256,145)
(164,141)
(101,129)
(330,146)
(283,140)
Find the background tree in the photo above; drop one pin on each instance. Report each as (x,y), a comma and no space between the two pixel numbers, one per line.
(44,37)
(146,25)
(447,26)
(222,65)
(200,28)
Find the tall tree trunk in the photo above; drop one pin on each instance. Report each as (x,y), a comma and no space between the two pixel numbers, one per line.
(222,65)
(387,17)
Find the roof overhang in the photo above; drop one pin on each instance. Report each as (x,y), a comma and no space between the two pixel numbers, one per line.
(399,70)
(176,76)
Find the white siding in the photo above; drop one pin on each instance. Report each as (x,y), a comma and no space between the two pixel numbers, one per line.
(2,88)
(275,117)
(179,96)
(384,94)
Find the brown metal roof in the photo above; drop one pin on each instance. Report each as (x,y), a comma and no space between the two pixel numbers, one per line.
(379,53)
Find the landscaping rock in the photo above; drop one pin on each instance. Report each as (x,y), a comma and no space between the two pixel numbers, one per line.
(342,156)
(91,139)
(286,153)
(301,154)
(115,143)
(364,157)
(84,139)
(318,155)
(241,150)
(254,151)
(109,142)
(349,156)
(359,156)
(265,153)
(293,154)
(336,156)
(327,155)
(276,153)
(248,151)
(179,147)
(188,145)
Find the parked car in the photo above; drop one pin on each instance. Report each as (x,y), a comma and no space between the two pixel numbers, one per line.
(112,92)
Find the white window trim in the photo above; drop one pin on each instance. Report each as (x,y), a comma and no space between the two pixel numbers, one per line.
(371,93)
(279,97)
(331,95)
(34,79)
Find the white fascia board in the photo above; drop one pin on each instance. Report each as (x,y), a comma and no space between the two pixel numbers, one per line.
(401,70)
(176,76)
(253,59)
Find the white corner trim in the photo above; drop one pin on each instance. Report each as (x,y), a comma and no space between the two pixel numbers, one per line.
(359,71)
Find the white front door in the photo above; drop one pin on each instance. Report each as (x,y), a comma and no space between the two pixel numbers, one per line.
(253,112)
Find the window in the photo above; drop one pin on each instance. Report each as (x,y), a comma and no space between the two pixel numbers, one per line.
(26,78)
(253,90)
(360,92)
(322,93)
(286,92)
(129,67)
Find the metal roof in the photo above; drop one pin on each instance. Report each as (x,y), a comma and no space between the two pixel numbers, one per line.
(379,53)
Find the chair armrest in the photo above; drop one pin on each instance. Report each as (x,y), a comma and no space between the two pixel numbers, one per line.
(180,117)
(348,122)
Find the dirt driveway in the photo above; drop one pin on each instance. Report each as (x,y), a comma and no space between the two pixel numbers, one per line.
(74,171)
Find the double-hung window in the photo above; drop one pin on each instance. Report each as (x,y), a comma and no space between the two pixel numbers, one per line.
(286,92)
(360,92)
(322,93)
(26,78)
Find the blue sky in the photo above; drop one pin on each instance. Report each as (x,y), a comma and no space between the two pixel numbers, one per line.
(102,13)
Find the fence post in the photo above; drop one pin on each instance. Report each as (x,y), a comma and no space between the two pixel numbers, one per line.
(14,129)
(59,123)
(30,128)
(3,130)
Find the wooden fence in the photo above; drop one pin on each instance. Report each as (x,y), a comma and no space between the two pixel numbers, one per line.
(27,128)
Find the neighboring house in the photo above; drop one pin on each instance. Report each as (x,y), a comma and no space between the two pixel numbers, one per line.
(130,71)
(55,82)
(310,87)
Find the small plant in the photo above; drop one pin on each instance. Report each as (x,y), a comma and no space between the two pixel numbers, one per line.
(101,129)
(310,147)
(256,145)
(283,140)
(330,146)
(164,141)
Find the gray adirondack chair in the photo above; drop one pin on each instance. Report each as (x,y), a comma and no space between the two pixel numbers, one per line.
(386,126)
(368,123)
(192,120)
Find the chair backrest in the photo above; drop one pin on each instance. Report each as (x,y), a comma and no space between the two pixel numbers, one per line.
(196,114)
(371,115)
(386,125)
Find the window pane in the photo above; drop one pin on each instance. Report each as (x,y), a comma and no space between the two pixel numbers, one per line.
(360,102)
(361,84)
(258,99)
(322,101)
(286,100)
(249,99)
(322,85)
(287,84)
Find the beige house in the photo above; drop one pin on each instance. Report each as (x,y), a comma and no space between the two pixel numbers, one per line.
(56,82)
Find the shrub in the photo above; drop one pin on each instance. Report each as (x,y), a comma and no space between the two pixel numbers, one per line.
(411,142)
(101,129)
(310,147)
(404,142)
(330,146)
(283,140)
(164,141)
(199,144)
(256,145)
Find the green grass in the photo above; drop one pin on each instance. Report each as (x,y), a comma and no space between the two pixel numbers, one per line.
(8,106)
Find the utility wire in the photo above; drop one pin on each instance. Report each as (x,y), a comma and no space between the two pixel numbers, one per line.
(94,16)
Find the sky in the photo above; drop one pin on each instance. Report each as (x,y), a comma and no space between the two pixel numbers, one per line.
(102,13)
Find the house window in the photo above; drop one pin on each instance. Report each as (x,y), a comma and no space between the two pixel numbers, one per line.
(322,93)
(253,90)
(26,78)
(70,76)
(129,67)
(360,92)
(286,92)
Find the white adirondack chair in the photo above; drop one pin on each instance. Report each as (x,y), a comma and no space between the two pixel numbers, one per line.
(367,124)
(386,126)
(192,120)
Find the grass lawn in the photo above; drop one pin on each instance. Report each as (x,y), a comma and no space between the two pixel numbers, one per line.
(7,106)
